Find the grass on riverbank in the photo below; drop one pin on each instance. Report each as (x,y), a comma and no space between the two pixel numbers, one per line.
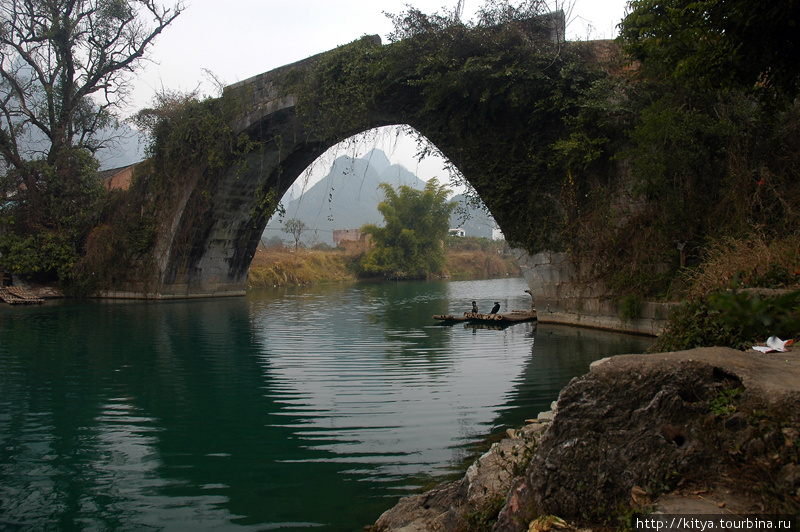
(284,267)
(745,290)
(479,258)
(467,258)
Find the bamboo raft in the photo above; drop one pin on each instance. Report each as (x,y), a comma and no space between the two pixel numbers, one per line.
(16,295)
(515,316)
(499,319)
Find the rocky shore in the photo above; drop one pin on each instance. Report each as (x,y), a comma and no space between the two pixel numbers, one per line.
(705,431)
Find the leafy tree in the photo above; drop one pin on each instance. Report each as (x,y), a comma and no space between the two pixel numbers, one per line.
(411,244)
(712,103)
(296,228)
(63,68)
(721,44)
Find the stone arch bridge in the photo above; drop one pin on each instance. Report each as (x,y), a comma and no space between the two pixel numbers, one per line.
(209,254)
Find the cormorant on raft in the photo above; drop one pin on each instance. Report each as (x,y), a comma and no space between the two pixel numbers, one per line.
(507,318)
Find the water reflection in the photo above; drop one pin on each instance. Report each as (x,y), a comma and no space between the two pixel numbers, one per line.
(392,390)
(309,408)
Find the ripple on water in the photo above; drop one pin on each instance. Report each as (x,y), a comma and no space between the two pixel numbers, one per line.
(296,409)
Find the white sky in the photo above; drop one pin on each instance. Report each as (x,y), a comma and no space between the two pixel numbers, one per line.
(238,39)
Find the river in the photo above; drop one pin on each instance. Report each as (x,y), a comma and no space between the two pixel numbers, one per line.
(301,408)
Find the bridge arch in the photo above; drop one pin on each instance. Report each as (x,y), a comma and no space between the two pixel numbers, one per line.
(222,243)
(208,251)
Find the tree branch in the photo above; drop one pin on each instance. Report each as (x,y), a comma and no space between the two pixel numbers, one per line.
(56,54)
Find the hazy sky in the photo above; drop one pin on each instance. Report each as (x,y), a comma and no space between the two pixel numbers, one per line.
(238,39)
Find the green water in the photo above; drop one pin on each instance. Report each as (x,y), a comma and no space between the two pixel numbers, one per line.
(312,408)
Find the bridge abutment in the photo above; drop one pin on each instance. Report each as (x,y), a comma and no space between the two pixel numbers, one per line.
(561,296)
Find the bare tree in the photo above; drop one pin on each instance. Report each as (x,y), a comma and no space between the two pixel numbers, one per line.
(63,71)
(296,228)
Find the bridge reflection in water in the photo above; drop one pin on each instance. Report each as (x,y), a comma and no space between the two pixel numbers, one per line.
(303,408)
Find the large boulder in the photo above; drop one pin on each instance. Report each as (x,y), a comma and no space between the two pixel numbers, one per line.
(649,424)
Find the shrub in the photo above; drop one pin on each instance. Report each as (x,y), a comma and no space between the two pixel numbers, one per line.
(731,319)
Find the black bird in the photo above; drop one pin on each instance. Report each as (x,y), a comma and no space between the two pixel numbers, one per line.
(495,308)
(474,307)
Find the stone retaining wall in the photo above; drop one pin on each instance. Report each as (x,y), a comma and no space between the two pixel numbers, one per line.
(560,298)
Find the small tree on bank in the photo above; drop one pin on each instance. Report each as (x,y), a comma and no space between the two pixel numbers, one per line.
(296,228)
(411,244)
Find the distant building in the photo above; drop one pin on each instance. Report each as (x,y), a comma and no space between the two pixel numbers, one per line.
(458,231)
(339,235)
(117,178)
(497,234)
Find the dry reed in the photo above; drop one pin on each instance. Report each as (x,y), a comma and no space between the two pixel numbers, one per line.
(748,259)
(281,268)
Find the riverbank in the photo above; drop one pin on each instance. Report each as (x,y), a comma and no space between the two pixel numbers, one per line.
(282,267)
(710,431)
(467,259)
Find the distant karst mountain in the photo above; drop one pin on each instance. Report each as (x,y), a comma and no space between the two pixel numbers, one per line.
(348,196)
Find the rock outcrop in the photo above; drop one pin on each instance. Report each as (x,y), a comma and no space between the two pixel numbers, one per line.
(461,505)
(644,430)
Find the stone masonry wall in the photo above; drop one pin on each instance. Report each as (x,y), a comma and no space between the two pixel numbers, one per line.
(560,297)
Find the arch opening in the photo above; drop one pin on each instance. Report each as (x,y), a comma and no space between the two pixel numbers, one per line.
(338,192)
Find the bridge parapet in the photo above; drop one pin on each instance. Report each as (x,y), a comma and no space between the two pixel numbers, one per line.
(264,94)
